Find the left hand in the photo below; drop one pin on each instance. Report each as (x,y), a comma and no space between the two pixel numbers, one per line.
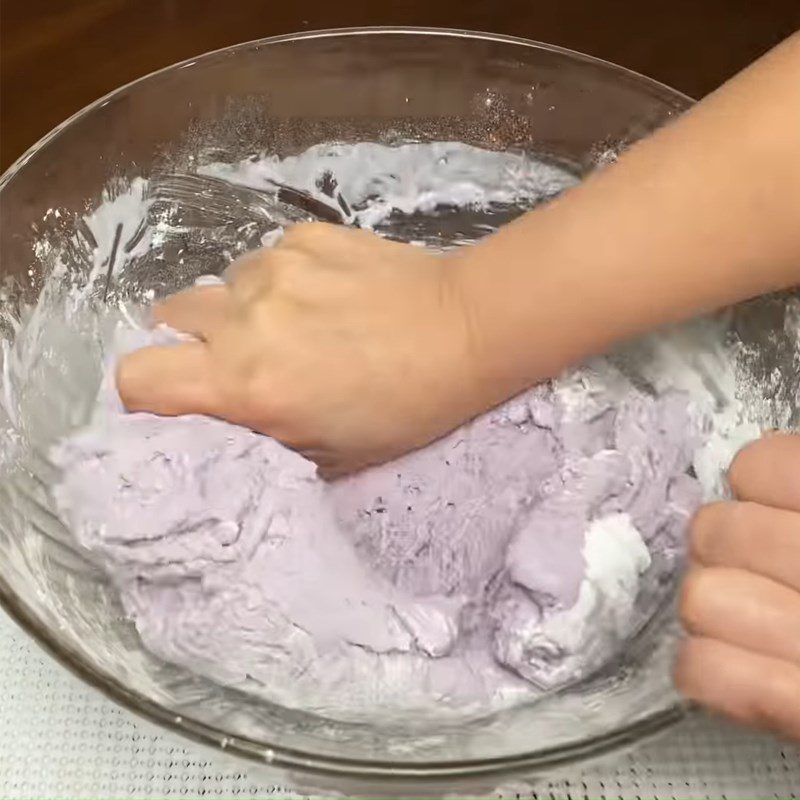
(740,603)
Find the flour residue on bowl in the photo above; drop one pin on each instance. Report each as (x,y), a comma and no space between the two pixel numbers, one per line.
(513,558)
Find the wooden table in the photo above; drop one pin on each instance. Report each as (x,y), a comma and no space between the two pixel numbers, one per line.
(58,55)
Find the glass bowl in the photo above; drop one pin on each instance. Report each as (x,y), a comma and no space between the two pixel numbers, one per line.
(282,95)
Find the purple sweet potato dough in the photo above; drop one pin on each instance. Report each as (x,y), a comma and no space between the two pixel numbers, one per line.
(447,577)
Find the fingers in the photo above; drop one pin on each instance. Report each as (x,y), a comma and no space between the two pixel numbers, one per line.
(741,605)
(250,275)
(315,236)
(172,380)
(767,472)
(749,687)
(751,537)
(338,245)
(307,263)
(743,609)
(199,311)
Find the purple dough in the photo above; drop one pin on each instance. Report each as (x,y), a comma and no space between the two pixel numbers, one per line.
(447,576)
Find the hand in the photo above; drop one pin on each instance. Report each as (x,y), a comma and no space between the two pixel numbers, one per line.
(346,347)
(741,599)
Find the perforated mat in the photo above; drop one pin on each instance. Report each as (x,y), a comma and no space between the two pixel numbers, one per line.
(60,739)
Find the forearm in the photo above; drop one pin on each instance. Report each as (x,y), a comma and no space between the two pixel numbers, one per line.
(704,213)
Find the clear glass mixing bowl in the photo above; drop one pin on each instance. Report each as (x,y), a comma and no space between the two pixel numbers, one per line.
(282,95)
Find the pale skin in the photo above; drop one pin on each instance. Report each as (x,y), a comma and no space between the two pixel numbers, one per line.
(353,350)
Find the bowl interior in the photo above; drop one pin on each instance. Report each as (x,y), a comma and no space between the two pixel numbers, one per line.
(279,97)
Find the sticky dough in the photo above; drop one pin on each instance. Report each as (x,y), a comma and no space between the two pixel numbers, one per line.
(515,556)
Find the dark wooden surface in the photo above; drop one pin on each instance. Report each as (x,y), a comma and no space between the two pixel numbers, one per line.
(58,55)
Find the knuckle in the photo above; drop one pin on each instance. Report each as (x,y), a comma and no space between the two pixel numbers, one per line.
(737,472)
(746,463)
(293,283)
(253,260)
(702,529)
(693,597)
(282,273)
(287,263)
(128,379)
(265,403)
(717,527)
(740,525)
(163,312)
(250,276)
(305,233)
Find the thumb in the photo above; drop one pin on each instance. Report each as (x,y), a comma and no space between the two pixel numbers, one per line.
(170,380)
(765,472)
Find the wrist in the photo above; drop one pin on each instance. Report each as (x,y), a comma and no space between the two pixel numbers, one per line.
(525,320)
(510,343)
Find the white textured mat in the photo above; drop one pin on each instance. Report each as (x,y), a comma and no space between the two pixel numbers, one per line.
(59,739)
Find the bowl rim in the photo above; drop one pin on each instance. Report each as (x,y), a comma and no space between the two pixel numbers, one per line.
(326,33)
(275,755)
